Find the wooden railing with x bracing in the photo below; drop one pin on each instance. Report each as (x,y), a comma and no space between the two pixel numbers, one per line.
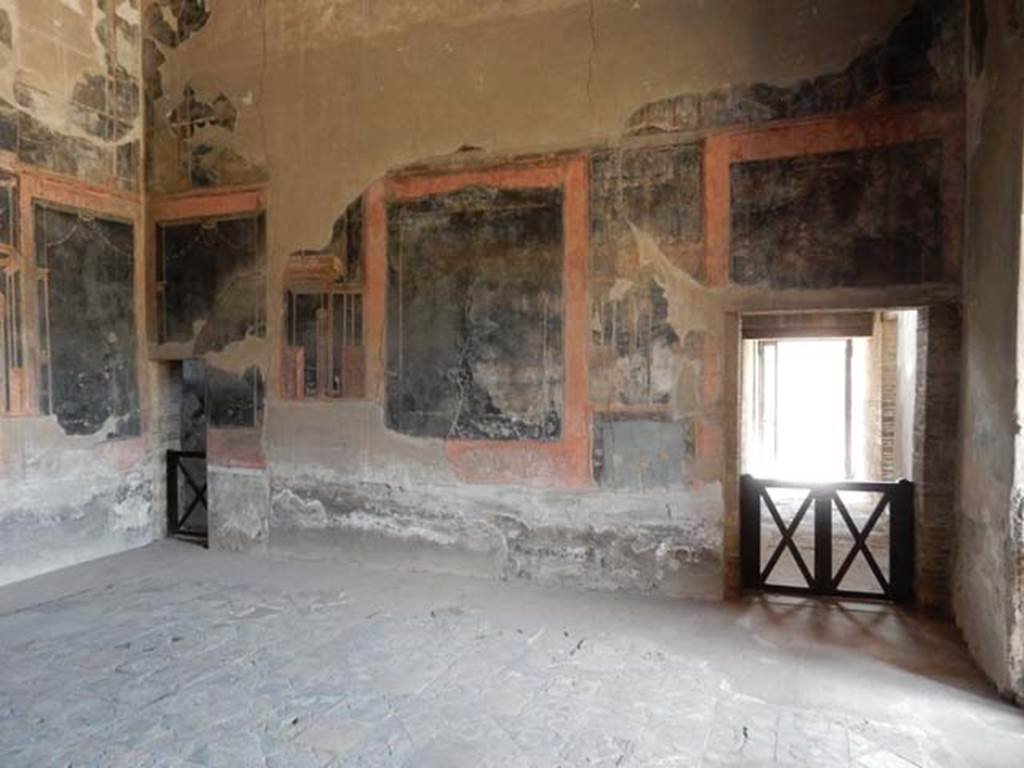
(177,520)
(822,579)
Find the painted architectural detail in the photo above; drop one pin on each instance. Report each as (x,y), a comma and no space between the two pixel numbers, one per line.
(324,353)
(12,362)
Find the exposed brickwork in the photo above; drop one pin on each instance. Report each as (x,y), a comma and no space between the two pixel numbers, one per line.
(936,428)
(871,449)
(889,400)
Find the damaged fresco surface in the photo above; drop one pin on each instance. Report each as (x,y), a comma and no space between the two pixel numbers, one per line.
(195,130)
(342,388)
(212,297)
(773,202)
(77,472)
(90,380)
(918,63)
(475,315)
(85,119)
(76,466)
(473,332)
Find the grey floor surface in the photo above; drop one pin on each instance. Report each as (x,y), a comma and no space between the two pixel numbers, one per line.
(174,656)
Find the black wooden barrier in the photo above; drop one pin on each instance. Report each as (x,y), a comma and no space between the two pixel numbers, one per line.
(177,520)
(898,497)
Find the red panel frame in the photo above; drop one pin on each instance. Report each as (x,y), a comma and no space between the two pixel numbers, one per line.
(565,463)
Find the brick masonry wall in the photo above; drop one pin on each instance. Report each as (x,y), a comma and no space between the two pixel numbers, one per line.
(888,406)
(936,428)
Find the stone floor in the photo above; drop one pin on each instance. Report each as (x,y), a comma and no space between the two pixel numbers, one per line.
(173,656)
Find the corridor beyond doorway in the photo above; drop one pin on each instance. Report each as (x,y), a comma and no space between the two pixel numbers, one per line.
(829,396)
(806,390)
(828,418)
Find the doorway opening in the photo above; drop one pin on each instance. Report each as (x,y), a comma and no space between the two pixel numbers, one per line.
(827,416)
(187,507)
(806,392)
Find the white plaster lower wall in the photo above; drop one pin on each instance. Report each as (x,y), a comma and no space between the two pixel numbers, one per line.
(52,523)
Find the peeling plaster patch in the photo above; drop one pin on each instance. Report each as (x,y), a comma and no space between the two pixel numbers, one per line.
(634,351)
(195,112)
(696,313)
(664,542)
(129,13)
(172,22)
(204,122)
(646,218)
(920,61)
(691,304)
(131,512)
(89,108)
(312,514)
(38,447)
(177,350)
(212,164)
(306,513)
(193,143)
(341,259)
(240,356)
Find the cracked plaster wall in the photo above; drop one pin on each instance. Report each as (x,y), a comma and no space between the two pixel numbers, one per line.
(375,85)
(319,99)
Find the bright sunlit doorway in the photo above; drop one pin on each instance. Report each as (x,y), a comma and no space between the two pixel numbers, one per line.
(806,392)
(828,398)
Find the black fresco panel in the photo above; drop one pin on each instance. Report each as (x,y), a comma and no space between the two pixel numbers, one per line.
(475,315)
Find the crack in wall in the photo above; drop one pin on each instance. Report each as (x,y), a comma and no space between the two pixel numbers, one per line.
(592,23)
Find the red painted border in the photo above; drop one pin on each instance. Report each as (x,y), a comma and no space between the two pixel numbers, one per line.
(41,187)
(565,463)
